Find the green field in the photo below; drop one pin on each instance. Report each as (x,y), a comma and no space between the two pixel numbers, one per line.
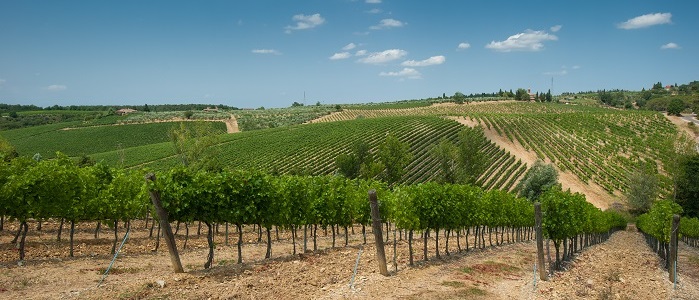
(77,141)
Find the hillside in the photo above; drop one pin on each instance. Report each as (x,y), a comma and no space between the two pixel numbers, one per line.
(593,148)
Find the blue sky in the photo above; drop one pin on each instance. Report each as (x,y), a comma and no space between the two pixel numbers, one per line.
(249,53)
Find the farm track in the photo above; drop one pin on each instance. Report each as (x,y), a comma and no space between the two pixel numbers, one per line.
(624,267)
(231,123)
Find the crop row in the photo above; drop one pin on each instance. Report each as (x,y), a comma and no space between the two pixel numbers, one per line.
(60,189)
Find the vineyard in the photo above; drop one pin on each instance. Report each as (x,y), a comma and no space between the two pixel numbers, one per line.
(59,189)
(597,145)
(312,149)
(281,180)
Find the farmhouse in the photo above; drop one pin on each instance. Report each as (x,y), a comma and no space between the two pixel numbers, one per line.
(125,111)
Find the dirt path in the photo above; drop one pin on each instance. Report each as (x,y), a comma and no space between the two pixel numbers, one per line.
(681,123)
(621,268)
(231,124)
(594,193)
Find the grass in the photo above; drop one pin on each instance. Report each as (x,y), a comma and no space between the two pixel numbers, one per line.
(613,276)
(470,292)
(454,284)
(694,259)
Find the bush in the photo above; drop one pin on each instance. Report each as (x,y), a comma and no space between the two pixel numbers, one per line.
(675,107)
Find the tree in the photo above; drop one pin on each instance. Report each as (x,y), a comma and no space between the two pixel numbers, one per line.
(347,165)
(188,114)
(459,98)
(675,107)
(688,185)
(539,179)
(549,97)
(146,108)
(643,189)
(350,165)
(522,95)
(445,154)
(194,145)
(7,151)
(471,161)
(395,156)
(296,104)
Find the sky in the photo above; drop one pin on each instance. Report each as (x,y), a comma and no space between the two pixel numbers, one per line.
(252,53)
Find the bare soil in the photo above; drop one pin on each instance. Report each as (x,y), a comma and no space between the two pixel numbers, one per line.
(623,268)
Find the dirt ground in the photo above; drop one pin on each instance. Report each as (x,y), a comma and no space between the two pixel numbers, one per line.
(624,266)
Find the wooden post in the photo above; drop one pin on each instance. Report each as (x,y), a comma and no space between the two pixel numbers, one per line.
(169,237)
(541,265)
(378,233)
(672,269)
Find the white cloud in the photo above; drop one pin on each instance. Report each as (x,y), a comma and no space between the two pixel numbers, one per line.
(556,28)
(305,22)
(349,46)
(2,81)
(384,56)
(528,40)
(463,46)
(266,51)
(373,1)
(434,60)
(341,55)
(374,11)
(388,23)
(361,53)
(556,73)
(576,67)
(670,46)
(56,87)
(646,21)
(406,72)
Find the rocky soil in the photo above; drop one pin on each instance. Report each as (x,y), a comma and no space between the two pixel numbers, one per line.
(621,268)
